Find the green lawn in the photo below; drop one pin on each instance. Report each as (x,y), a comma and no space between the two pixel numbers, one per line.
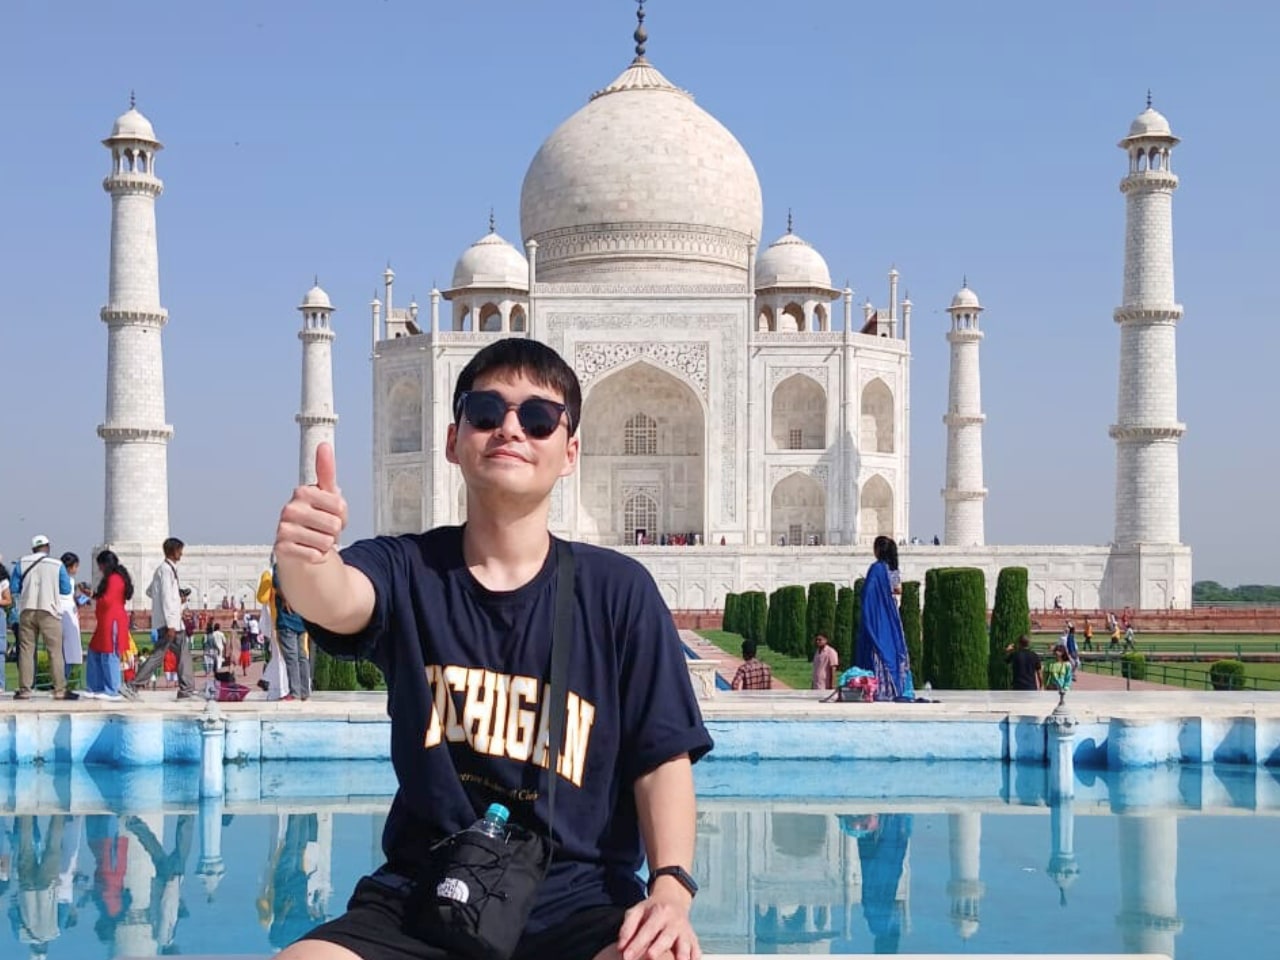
(795,672)
(1188,642)
(1195,676)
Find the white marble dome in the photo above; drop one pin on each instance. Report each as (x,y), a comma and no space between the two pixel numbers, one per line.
(791,262)
(641,174)
(491,262)
(316,298)
(965,298)
(132,125)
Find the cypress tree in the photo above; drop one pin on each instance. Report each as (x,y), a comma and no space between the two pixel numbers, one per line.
(845,626)
(795,622)
(759,613)
(912,627)
(857,618)
(963,647)
(771,622)
(1010,619)
(820,612)
(929,624)
(729,622)
(368,675)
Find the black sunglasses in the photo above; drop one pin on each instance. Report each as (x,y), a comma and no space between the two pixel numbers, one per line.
(486,409)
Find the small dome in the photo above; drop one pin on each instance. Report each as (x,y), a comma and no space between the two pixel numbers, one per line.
(965,297)
(791,262)
(316,297)
(491,262)
(1150,123)
(132,125)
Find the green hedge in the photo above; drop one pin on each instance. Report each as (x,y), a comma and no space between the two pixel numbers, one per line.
(1010,620)
(911,626)
(929,625)
(846,626)
(320,672)
(1227,675)
(820,612)
(368,675)
(961,620)
(1133,666)
(334,674)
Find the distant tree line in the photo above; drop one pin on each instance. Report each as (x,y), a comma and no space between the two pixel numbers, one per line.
(1210,591)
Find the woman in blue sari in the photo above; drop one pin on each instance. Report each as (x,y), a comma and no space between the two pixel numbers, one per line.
(881,646)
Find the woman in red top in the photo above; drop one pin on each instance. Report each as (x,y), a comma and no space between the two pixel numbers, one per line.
(111,635)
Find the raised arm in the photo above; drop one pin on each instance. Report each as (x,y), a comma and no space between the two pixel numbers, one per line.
(318,585)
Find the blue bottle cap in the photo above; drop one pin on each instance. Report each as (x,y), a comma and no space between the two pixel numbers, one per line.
(497,812)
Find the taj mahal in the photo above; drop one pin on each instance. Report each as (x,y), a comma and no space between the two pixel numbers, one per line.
(735,400)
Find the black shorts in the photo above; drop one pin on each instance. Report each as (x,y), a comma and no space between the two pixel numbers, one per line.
(373,929)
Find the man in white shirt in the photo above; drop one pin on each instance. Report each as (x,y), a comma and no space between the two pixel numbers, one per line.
(166,618)
(38,582)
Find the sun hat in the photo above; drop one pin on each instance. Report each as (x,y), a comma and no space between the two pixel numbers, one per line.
(38,541)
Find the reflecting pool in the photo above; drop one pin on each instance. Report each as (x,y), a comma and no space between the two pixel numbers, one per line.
(792,858)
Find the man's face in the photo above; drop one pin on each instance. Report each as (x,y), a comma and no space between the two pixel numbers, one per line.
(821,643)
(506,462)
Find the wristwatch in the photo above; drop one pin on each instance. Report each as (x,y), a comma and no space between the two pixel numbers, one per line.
(681,876)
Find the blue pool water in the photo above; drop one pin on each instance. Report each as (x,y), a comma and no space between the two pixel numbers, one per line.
(800,857)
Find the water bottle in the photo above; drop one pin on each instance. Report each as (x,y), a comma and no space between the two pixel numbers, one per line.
(493,823)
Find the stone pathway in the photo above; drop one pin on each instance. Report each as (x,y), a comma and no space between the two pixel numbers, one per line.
(1106,681)
(727,664)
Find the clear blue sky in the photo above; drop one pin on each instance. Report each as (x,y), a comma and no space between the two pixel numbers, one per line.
(950,139)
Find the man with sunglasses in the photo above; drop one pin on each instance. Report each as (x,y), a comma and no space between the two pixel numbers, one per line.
(459,619)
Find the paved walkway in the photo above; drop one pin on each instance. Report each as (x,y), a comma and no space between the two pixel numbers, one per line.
(1106,681)
(727,664)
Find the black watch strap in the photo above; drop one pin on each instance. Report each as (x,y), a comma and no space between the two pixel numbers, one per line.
(680,874)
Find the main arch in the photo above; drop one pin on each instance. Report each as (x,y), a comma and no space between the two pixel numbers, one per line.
(643,457)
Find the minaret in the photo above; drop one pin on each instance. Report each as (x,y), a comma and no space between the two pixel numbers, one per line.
(1148,918)
(1147,429)
(316,419)
(134,431)
(963,523)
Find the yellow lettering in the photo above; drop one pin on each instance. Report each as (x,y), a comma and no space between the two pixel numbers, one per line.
(540,751)
(456,680)
(477,713)
(524,690)
(577,735)
(439,693)
(497,740)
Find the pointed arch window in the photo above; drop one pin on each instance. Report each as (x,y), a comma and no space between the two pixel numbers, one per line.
(640,436)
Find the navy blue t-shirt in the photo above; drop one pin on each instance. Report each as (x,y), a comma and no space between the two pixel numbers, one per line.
(467,671)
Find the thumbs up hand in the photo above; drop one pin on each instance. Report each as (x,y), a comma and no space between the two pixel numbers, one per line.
(315,515)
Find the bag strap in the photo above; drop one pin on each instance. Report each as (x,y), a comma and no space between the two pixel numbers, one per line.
(561,643)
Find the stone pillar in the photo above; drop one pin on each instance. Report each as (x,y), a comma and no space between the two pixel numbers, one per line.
(211,868)
(965,888)
(1147,429)
(1061,731)
(134,431)
(964,495)
(213,748)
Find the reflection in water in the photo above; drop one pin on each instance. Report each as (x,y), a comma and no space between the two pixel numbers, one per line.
(796,875)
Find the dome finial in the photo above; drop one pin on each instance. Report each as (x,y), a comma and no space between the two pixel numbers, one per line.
(493,226)
(641,35)
(133,101)
(789,220)
(964,282)
(316,280)
(1148,98)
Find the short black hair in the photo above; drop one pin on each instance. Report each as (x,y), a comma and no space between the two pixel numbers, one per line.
(537,361)
(748,649)
(172,545)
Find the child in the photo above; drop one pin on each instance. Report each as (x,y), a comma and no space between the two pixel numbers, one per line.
(246,653)
(170,668)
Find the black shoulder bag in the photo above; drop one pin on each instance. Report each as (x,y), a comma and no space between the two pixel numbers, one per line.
(479,890)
